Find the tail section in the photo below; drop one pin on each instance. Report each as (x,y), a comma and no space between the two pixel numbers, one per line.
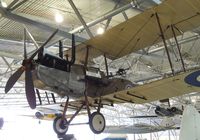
(190,125)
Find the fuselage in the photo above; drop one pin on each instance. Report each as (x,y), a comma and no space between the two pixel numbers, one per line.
(58,81)
(75,82)
(57,75)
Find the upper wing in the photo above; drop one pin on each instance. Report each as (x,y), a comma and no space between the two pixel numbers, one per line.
(157,90)
(142,30)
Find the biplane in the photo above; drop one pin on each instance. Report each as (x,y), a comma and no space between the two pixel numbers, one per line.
(140,128)
(69,78)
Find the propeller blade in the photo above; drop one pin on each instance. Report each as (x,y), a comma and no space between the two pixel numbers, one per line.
(38,50)
(13,79)
(29,88)
(25,52)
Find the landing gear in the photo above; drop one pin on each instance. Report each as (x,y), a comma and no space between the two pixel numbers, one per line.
(60,126)
(97,122)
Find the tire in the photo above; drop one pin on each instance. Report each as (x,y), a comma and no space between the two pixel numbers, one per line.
(60,127)
(173,109)
(97,122)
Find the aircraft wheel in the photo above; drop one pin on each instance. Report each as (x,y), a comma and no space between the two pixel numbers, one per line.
(173,109)
(97,122)
(60,126)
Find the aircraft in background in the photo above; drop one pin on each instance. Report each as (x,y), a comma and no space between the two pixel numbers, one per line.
(64,77)
(169,112)
(140,128)
(189,128)
(162,112)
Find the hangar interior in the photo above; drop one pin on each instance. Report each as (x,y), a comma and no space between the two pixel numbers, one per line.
(87,19)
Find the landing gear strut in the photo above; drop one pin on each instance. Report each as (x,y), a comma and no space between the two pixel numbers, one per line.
(97,121)
(60,123)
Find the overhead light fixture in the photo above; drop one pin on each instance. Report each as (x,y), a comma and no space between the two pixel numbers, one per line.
(58,18)
(193,100)
(100,31)
(4,4)
(148,66)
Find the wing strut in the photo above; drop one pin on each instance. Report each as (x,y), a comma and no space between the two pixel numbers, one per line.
(86,56)
(106,64)
(165,44)
(178,47)
(39,97)
(61,49)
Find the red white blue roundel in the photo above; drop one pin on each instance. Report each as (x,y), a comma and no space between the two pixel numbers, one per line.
(193,78)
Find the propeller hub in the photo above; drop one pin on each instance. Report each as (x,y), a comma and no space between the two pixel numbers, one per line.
(27,64)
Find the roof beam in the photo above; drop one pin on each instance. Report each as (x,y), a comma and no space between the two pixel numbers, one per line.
(17,5)
(5,13)
(109,19)
(183,41)
(12,3)
(107,16)
(9,66)
(80,18)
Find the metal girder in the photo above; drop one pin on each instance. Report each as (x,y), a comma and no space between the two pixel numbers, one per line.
(31,37)
(107,16)
(37,24)
(80,18)
(183,41)
(7,14)
(9,66)
(12,6)
(109,19)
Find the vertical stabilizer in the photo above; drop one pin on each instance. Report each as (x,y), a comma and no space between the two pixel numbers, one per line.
(190,124)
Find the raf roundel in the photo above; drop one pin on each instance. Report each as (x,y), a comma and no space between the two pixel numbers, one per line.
(193,79)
